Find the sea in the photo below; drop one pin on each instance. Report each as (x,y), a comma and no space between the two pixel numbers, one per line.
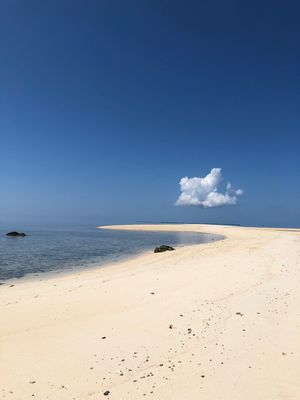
(42,251)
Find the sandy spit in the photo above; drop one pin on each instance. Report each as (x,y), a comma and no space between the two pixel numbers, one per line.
(214,321)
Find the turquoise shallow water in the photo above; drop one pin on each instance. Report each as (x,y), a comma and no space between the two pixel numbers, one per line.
(52,250)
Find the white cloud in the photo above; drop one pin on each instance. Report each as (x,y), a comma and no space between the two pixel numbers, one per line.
(239,192)
(204,191)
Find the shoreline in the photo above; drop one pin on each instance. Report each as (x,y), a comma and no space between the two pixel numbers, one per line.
(94,265)
(217,320)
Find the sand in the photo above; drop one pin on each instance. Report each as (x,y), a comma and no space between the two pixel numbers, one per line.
(217,321)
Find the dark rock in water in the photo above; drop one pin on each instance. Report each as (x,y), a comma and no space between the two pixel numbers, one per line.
(162,248)
(14,233)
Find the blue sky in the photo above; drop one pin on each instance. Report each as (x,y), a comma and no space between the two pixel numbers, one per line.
(106,105)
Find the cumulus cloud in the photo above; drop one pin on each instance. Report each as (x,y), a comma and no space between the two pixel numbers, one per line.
(204,191)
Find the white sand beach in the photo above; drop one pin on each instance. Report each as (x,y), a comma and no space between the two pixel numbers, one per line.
(214,321)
